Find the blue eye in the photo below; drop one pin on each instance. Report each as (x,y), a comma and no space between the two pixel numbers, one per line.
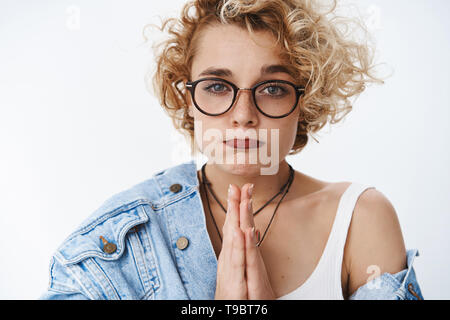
(274,90)
(216,87)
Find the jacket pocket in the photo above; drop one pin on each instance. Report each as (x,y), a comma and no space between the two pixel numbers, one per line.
(141,249)
(112,258)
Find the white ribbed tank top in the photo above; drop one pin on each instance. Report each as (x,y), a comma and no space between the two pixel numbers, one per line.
(325,281)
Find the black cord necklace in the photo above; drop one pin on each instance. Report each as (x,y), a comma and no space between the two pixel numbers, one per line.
(207,184)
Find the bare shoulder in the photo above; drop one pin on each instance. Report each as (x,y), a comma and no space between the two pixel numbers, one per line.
(374,240)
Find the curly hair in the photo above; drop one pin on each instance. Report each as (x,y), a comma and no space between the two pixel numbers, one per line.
(331,67)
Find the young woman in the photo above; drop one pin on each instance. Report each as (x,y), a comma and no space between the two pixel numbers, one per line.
(247,81)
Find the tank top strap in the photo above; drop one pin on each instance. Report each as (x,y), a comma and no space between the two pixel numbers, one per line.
(340,228)
(325,281)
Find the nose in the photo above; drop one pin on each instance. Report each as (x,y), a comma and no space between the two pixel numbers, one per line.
(244,112)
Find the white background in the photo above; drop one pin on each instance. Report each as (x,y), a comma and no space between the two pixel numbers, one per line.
(78,125)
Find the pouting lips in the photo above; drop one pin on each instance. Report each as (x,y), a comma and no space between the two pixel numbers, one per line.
(243,143)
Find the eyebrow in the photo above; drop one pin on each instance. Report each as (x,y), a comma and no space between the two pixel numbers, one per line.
(276,68)
(218,72)
(266,69)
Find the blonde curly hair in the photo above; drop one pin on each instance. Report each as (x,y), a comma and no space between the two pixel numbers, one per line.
(332,67)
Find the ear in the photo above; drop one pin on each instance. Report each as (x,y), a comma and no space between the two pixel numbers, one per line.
(190,110)
(190,105)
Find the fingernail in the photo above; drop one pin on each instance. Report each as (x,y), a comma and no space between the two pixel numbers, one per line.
(250,205)
(229,189)
(253,233)
(250,190)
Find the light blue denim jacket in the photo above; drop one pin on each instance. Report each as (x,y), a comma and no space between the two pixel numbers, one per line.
(162,249)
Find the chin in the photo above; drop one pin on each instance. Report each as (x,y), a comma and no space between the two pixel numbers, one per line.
(245,162)
(242,169)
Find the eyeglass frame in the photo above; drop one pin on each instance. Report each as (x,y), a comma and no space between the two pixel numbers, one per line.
(191,85)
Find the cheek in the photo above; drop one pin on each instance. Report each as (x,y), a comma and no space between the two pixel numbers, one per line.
(206,130)
(287,133)
(291,129)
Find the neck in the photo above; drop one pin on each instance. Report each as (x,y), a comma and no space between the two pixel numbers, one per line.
(265,186)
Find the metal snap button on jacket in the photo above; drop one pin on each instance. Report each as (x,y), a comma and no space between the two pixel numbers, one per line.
(108,247)
(175,187)
(182,243)
(411,289)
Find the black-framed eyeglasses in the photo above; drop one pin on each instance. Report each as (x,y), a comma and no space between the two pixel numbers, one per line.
(273,98)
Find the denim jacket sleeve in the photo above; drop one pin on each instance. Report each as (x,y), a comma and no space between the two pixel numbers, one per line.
(63,285)
(402,285)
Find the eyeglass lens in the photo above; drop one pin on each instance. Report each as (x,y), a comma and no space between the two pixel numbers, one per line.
(273,98)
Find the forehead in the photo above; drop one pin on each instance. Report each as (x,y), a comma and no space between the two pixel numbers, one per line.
(234,48)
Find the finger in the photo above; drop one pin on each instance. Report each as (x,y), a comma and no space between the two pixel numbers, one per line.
(238,255)
(258,283)
(227,240)
(251,251)
(227,243)
(231,221)
(234,195)
(246,208)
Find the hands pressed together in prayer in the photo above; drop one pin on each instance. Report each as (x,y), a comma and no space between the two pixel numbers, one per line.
(241,273)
